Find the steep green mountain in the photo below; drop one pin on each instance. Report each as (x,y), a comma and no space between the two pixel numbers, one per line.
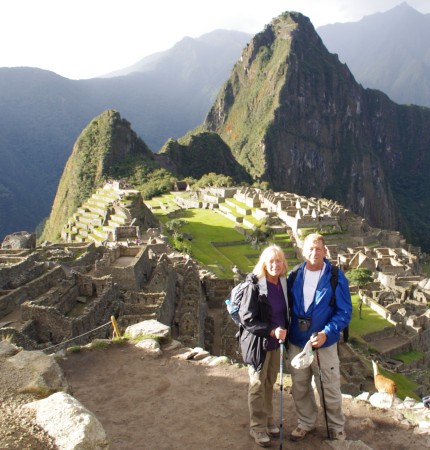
(42,114)
(106,147)
(387,51)
(294,116)
(199,154)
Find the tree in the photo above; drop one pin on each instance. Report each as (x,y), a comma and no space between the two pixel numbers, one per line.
(213,179)
(174,226)
(260,234)
(359,277)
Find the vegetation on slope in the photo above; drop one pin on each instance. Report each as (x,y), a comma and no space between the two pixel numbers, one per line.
(106,147)
(198,154)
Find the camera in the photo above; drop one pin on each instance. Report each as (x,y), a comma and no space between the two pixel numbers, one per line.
(304,323)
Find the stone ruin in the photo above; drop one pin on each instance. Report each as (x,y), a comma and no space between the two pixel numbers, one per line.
(63,292)
(45,303)
(112,216)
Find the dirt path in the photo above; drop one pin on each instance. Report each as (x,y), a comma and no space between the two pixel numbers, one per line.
(167,403)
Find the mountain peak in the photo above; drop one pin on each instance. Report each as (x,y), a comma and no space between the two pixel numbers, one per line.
(293,115)
(106,141)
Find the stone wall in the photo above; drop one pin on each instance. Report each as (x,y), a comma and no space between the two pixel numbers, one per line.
(132,275)
(167,309)
(383,312)
(98,313)
(191,310)
(60,316)
(19,273)
(13,299)
(217,291)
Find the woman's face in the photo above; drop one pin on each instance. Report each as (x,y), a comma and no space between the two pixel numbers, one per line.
(274,265)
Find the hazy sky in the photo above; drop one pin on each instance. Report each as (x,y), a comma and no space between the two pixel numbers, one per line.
(87,38)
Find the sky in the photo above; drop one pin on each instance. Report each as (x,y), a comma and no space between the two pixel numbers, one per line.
(80,39)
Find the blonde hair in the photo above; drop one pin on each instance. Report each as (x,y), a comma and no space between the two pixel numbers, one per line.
(314,237)
(267,253)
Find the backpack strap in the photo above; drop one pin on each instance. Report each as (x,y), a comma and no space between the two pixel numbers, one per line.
(333,282)
(291,278)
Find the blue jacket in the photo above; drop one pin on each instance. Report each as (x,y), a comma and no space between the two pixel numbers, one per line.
(330,319)
(255,315)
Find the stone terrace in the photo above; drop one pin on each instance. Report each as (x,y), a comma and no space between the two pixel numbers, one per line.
(104,218)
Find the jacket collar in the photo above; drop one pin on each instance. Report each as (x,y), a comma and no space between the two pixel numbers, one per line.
(262,285)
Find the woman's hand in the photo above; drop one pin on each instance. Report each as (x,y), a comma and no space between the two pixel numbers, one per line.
(280,334)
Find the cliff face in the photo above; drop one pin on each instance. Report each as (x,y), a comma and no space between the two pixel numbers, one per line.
(102,146)
(293,115)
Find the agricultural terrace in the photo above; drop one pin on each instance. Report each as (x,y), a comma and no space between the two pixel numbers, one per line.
(214,242)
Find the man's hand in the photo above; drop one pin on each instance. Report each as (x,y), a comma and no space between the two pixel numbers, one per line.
(318,339)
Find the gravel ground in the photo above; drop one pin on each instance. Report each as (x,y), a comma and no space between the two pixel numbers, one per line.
(18,429)
(169,389)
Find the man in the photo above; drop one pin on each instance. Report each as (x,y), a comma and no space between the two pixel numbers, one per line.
(316,317)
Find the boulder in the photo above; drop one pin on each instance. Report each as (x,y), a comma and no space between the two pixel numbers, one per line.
(39,373)
(7,349)
(148,328)
(19,240)
(69,423)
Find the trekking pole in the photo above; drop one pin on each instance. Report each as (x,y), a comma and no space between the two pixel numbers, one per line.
(281,365)
(322,387)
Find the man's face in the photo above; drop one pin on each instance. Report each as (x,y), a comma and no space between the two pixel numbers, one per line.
(314,253)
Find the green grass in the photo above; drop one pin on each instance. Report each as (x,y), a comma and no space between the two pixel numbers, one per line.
(252,219)
(281,237)
(409,357)
(243,255)
(370,321)
(238,203)
(405,386)
(207,226)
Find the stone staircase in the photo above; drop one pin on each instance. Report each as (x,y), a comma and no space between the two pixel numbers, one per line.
(97,219)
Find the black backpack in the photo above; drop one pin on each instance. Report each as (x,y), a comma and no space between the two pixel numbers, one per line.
(233,303)
(333,282)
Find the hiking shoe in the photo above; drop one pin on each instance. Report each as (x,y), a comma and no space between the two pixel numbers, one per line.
(260,437)
(298,434)
(273,430)
(338,435)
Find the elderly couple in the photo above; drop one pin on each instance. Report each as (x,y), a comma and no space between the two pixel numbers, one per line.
(268,316)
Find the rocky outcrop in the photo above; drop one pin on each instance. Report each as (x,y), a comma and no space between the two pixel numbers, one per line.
(19,240)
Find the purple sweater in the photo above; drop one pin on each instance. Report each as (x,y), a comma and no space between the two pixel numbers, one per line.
(276,298)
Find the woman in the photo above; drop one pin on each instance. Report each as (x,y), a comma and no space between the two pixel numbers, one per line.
(264,316)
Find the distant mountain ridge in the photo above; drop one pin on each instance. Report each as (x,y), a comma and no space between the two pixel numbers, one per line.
(214,50)
(387,51)
(41,124)
(42,114)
